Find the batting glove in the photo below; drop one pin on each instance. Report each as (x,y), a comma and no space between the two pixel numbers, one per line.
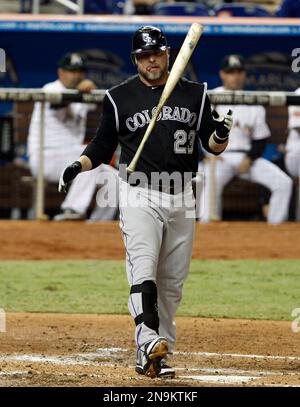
(223,123)
(68,175)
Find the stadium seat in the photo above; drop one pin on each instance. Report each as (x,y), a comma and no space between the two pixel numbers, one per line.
(115,6)
(25,6)
(182,8)
(102,6)
(241,10)
(90,6)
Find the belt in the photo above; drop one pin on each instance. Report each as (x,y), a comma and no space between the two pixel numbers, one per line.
(171,190)
(168,189)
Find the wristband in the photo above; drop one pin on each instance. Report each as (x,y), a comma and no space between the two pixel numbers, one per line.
(219,140)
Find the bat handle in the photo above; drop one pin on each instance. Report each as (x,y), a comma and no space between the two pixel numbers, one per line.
(132,165)
(130,169)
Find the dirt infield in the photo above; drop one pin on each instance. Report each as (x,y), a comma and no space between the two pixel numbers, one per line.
(224,240)
(98,350)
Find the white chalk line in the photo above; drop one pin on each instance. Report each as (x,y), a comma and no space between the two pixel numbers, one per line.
(111,352)
(211,375)
(115,353)
(76,359)
(55,360)
(238,355)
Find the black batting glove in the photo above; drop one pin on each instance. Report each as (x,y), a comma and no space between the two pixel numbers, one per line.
(68,175)
(223,124)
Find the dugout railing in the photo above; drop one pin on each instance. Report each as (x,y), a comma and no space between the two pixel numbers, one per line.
(22,102)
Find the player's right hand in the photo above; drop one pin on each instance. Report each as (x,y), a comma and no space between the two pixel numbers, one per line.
(68,175)
(86,86)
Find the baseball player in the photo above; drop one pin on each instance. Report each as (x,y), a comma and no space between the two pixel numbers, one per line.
(292,157)
(156,228)
(243,156)
(64,136)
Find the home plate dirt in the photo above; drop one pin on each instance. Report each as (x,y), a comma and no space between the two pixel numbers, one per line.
(98,350)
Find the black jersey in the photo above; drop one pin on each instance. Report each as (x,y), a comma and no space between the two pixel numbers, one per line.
(173,144)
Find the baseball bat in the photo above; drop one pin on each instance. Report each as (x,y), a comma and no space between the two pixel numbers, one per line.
(177,70)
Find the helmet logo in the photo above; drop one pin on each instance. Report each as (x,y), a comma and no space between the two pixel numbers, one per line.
(148,40)
(234,60)
(75,59)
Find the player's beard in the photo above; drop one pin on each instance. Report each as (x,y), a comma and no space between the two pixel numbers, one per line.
(151,76)
(154,76)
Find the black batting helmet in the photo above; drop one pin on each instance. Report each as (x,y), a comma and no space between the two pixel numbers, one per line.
(148,39)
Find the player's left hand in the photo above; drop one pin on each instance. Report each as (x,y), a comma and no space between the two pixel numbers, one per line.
(244,165)
(223,123)
(68,175)
(86,86)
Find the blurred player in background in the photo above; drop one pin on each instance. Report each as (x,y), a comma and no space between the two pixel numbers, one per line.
(243,156)
(64,133)
(292,157)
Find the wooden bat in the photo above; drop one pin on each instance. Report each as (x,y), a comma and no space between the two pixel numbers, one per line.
(177,70)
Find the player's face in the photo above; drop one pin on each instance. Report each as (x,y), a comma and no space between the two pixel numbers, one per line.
(153,67)
(233,80)
(70,79)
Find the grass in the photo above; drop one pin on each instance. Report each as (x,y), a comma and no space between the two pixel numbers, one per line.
(214,288)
